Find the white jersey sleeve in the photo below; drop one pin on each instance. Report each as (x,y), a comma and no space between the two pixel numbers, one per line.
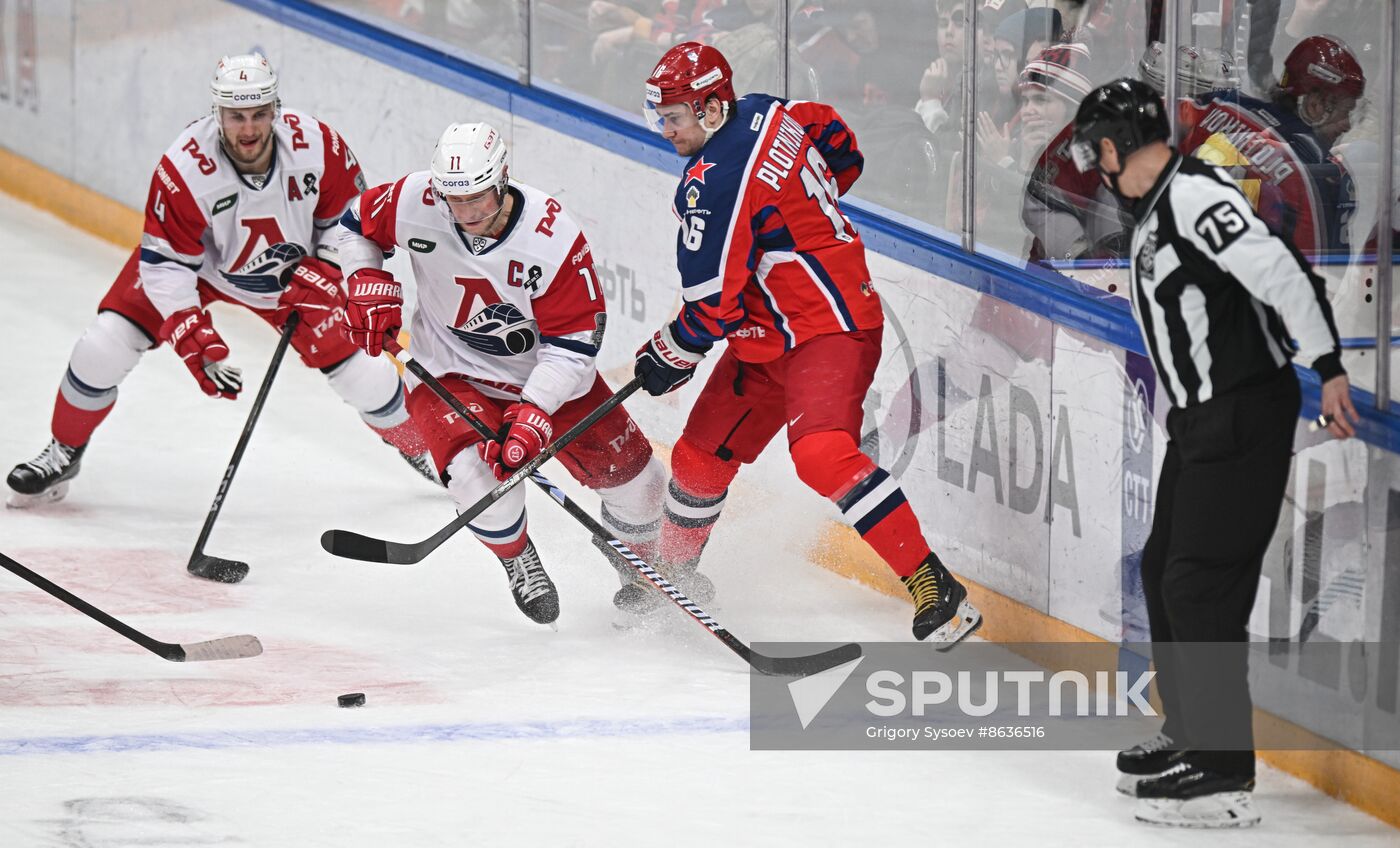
(1218,221)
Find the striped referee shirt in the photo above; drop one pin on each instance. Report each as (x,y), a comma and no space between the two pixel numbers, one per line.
(1217,295)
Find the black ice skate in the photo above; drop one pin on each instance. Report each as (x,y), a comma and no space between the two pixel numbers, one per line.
(1146,760)
(44,479)
(423,464)
(534,592)
(1191,796)
(942,614)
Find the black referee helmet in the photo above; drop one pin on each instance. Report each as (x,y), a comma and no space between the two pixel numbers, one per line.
(1127,112)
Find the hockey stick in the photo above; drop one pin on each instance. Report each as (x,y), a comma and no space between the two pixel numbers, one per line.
(783,666)
(344,543)
(762,663)
(227,648)
(217,568)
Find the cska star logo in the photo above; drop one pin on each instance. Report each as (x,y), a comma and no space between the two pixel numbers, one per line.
(697,171)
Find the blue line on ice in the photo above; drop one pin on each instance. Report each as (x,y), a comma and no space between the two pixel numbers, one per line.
(478,732)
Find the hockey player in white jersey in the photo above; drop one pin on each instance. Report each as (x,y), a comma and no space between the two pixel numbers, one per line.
(510,317)
(241,208)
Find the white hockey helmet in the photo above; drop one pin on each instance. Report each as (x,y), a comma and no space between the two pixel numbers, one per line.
(243,81)
(1198,69)
(469,159)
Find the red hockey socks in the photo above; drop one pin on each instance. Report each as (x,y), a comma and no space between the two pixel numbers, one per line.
(694,499)
(871,500)
(506,544)
(73,425)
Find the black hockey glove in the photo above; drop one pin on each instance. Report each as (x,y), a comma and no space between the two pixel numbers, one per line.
(665,363)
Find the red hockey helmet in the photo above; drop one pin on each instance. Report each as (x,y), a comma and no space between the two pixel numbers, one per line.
(1322,64)
(688,73)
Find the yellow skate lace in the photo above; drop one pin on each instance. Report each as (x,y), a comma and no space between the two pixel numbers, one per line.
(924,585)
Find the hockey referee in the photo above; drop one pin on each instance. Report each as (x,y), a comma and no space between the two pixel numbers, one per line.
(1219,298)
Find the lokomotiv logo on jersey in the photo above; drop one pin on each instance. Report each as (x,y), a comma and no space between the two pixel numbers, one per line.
(498,330)
(263,273)
(260,271)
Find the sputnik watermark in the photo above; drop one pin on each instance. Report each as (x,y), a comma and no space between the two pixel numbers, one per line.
(1079,696)
(980,695)
(1108,695)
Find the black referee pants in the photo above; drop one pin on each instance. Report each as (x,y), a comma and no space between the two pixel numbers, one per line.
(1218,503)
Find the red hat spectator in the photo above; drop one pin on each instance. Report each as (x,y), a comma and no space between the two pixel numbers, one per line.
(1060,69)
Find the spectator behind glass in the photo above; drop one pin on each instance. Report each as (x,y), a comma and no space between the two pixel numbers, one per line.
(1280,150)
(939,88)
(1114,31)
(746,32)
(902,168)
(631,37)
(490,28)
(1015,41)
(1069,215)
(991,96)
(833,38)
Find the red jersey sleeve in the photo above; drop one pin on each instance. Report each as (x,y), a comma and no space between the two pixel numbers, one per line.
(832,138)
(376,217)
(341,181)
(174,222)
(566,311)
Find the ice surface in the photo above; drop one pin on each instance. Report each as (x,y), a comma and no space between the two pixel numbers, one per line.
(480,728)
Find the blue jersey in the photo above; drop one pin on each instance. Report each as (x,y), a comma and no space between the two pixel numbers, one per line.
(767,259)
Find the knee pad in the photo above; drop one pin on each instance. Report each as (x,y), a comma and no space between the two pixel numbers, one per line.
(372,385)
(469,481)
(699,472)
(830,462)
(633,509)
(107,351)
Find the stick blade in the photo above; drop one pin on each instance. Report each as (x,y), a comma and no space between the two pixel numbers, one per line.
(217,569)
(804,666)
(227,648)
(344,543)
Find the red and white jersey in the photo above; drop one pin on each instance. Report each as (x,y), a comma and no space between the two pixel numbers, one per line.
(204,220)
(521,314)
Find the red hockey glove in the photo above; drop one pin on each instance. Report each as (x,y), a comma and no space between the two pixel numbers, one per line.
(191,333)
(313,287)
(665,363)
(375,307)
(530,430)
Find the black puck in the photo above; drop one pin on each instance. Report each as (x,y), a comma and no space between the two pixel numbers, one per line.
(354,699)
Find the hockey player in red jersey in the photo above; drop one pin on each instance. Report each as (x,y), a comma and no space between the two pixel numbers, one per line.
(510,317)
(238,211)
(769,263)
(1279,151)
